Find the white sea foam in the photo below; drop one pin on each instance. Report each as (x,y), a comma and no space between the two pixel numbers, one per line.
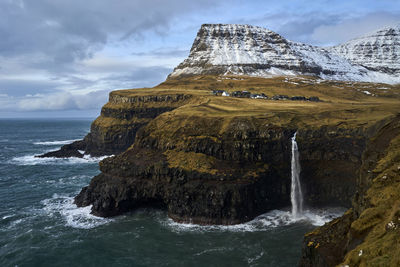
(67,181)
(54,143)
(32,160)
(257,257)
(7,216)
(211,250)
(62,205)
(16,222)
(264,222)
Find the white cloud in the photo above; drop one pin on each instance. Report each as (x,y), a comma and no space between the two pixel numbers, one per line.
(351,28)
(61,101)
(49,102)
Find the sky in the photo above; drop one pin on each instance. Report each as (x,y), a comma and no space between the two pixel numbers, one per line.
(61,58)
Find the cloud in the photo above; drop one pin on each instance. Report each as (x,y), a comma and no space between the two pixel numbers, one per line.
(61,55)
(144,77)
(319,25)
(301,28)
(47,102)
(20,87)
(63,101)
(65,31)
(345,30)
(50,97)
(164,52)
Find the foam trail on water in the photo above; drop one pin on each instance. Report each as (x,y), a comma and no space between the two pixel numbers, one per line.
(32,160)
(53,143)
(296,196)
(264,222)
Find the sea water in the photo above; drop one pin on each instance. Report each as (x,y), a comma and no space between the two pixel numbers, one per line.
(40,225)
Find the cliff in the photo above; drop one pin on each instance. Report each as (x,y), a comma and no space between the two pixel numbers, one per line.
(115,129)
(211,159)
(368,234)
(220,170)
(224,160)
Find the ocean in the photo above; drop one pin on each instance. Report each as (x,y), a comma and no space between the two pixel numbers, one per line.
(40,225)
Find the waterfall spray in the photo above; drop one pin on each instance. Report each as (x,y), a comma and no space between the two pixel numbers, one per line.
(296,195)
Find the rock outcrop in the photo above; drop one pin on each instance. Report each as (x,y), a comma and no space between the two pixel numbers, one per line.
(67,151)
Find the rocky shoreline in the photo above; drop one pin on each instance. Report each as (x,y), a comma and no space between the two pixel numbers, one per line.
(213,160)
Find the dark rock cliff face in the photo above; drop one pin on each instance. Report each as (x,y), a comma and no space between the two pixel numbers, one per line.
(133,179)
(368,233)
(115,129)
(229,193)
(210,172)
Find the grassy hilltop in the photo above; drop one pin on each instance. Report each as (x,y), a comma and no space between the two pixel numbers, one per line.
(342,102)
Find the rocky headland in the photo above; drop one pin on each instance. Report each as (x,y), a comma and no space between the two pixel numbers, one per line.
(212,159)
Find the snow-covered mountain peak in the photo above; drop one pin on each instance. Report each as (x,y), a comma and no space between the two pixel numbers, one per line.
(378,51)
(220,49)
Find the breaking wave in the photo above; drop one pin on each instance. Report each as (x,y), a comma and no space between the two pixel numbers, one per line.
(264,222)
(32,160)
(54,143)
(62,205)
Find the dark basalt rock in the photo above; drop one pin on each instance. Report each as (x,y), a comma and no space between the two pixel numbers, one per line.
(336,242)
(130,114)
(143,175)
(66,151)
(329,248)
(102,141)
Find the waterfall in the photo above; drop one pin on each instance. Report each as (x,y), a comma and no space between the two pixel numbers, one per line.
(296,196)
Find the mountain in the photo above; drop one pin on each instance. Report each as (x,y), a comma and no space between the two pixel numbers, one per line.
(378,51)
(224,49)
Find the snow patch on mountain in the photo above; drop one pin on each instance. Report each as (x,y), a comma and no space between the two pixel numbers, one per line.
(378,51)
(232,49)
